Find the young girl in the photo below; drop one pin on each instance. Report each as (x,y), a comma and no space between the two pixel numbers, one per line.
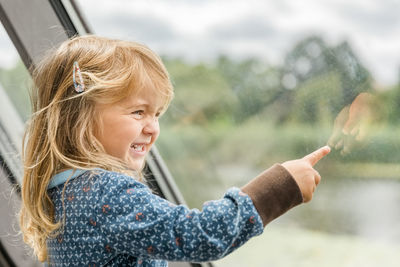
(96,106)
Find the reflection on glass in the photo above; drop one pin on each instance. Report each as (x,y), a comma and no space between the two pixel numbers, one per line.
(252,90)
(14,103)
(14,78)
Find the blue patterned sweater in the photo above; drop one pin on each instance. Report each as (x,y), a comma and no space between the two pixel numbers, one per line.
(113,220)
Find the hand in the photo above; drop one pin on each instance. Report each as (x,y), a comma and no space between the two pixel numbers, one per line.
(351,124)
(303,172)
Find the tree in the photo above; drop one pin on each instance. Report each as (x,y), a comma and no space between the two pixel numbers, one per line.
(202,94)
(254,83)
(313,60)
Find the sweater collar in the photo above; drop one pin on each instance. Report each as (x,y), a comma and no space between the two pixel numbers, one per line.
(64,176)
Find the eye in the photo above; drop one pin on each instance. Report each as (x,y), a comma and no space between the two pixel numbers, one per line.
(138,114)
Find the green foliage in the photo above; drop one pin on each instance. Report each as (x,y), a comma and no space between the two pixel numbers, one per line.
(316,98)
(201,94)
(253,82)
(381,145)
(391,100)
(318,70)
(189,152)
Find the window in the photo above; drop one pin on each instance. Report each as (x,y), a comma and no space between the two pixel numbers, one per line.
(14,77)
(14,103)
(14,108)
(32,29)
(259,82)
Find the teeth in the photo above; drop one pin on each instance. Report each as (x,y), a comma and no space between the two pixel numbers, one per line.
(138,148)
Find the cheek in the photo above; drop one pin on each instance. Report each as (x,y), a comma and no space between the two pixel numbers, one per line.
(118,134)
(158,129)
(156,133)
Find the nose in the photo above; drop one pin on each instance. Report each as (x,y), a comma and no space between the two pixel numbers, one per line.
(152,126)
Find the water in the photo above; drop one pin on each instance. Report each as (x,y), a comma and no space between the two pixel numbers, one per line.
(362,207)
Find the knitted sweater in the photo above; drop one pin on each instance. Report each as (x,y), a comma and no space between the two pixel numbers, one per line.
(110,219)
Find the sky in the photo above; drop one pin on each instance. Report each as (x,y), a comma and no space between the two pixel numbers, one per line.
(201,30)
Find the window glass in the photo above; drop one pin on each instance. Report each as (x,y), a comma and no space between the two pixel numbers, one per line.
(260,82)
(14,77)
(14,103)
(14,109)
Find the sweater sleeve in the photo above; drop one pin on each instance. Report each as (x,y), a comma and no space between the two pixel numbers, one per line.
(135,221)
(273,192)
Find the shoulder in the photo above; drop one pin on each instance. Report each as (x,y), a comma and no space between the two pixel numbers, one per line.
(122,195)
(106,189)
(111,181)
(99,181)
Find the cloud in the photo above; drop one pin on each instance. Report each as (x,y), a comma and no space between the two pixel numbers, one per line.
(376,20)
(249,27)
(144,28)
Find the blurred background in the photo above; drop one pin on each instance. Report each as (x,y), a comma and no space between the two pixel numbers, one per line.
(260,82)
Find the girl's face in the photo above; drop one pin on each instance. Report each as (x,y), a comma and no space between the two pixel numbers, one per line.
(131,127)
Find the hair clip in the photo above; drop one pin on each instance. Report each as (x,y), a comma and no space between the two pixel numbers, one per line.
(79,87)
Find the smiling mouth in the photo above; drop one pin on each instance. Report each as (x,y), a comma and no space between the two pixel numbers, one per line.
(138,148)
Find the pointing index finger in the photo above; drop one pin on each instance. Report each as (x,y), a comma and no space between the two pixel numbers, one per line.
(317,155)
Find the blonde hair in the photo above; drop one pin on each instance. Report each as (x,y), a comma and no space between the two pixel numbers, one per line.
(61,131)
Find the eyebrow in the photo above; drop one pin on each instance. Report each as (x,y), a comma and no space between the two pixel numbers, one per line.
(137,103)
(135,106)
(144,105)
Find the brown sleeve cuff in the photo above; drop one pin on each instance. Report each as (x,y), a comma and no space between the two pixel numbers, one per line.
(273,192)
